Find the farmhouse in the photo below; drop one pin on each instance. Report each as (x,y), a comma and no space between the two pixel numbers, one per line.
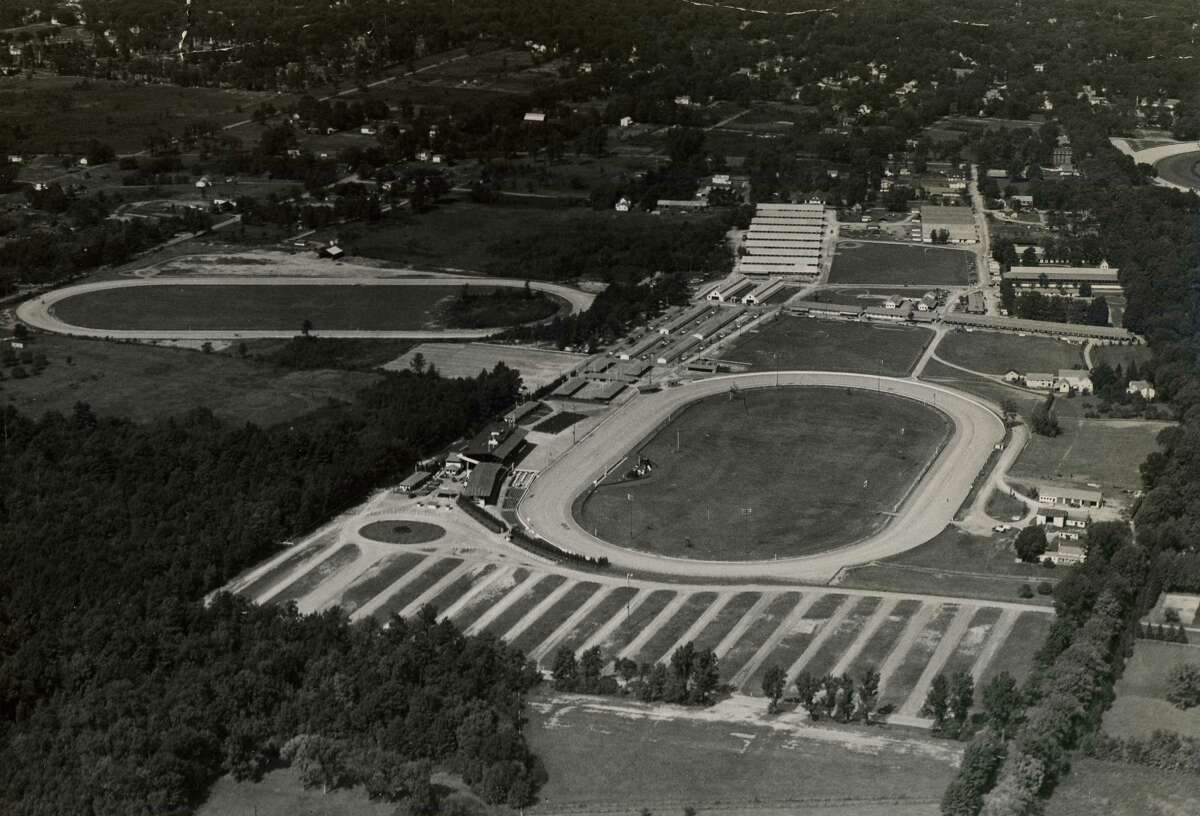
(1039,381)
(1065,552)
(1065,496)
(1073,381)
(1102,278)
(1142,388)
(1063,518)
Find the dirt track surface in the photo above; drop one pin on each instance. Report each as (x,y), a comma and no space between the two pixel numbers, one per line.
(930,506)
(39,312)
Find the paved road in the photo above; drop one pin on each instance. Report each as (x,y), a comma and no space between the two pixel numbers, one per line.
(546,508)
(39,312)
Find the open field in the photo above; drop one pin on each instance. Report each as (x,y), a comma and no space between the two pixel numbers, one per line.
(860,296)
(1115,789)
(1182,169)
(1107,452)
(54,113)
(230,308)
(118,379)
(998,352)
(722,488)
(456,234)
(954,563)
(806,343)
(620,758)
(537,367)
(900,264)
(1121,355)
(1141,707)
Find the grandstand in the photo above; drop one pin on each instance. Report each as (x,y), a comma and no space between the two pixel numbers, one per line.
(784,240)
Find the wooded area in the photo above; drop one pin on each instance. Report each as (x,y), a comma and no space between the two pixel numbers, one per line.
(120,692)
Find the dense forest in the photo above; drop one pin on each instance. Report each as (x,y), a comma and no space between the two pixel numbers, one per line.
(121,693)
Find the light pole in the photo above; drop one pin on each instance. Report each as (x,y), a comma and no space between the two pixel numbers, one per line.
(629,498)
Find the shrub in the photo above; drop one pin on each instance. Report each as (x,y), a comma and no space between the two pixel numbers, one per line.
(1025,591)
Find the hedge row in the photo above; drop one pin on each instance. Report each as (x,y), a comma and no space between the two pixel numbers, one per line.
(543,547)
(482,516)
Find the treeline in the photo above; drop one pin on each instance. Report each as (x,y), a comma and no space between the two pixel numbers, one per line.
(691,677)
(614,311)
(55,255)
(625,249)
(120,692)
(1164,750)
(1150,234)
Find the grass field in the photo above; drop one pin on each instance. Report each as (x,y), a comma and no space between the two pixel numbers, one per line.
(544,626)
(1121,355)
(998,352)
(793,644)
(531,598)
(778,472)
(612,604)
(117,379)
(379,577)
(1114,789)
(954,563)
(729,616)
(759,631)
(1003,507)
(658,647)
(262,307)
(997,392)
(413,589)
(53,113)
(306,583)
(406,532)
(831,345)
(839,640)
(597,761)
(910,669)
(634,621)
(1107,452)
(1016,655)
(884,639)
(456,234)
(275,574)
(1141,706)
(856,296)
(900,264)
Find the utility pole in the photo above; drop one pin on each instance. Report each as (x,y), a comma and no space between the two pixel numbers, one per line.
(629,497)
